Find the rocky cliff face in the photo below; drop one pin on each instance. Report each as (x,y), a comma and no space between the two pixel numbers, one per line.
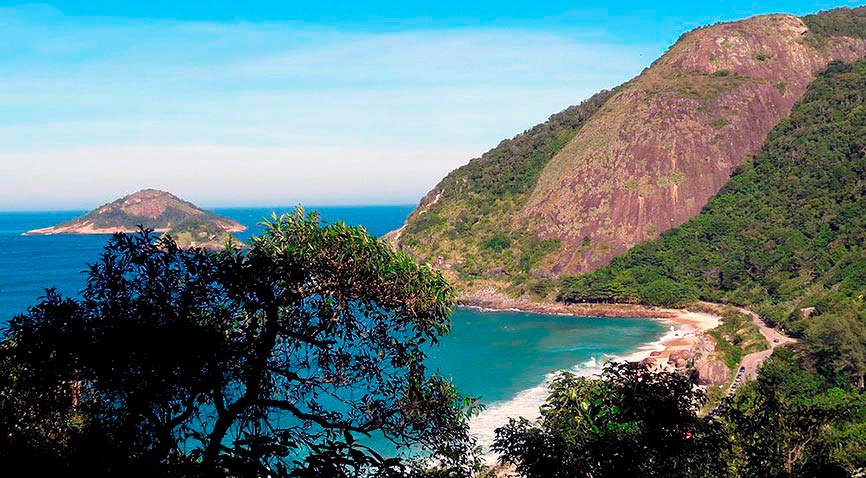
(567,196)
(668,140)
(711,369)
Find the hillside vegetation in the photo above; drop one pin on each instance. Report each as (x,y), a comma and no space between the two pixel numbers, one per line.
(200,233)
(467,219)
(785,236)
(571,194)
(840,22)
(786,233)
(161,211)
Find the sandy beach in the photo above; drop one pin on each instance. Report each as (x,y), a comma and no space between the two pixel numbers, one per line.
(685,328)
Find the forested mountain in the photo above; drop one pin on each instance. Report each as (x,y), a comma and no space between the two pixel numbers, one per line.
(786,233)
(785,236)
(570,194)
(734,171)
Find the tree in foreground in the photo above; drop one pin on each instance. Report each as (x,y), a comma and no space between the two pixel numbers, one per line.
(275,361)
(794,423)
(631,421)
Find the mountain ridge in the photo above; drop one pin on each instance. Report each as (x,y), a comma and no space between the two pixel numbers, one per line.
(709,102)
(643,158)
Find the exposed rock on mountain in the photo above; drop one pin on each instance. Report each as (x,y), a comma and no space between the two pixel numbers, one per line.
(666,143)
(569,195)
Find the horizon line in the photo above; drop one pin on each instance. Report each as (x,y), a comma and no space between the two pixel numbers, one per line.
(211,208)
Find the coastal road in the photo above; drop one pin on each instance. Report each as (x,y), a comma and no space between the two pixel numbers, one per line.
(750,363)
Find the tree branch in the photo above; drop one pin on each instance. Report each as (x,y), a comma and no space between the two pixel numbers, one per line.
(290,407)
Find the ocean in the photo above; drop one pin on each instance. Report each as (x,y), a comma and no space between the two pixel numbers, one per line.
(503,357)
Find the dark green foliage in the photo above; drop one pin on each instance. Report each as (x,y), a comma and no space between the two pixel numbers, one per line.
(845,22)
(837,344)
(630,422)
(787,230)
(498,243)
(266,362)
(792,423)
(644,284)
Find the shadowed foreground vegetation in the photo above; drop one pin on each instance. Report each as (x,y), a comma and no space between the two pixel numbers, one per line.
(274,361)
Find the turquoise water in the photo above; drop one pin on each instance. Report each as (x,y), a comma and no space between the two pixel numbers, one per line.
(29,264)
(498,354)
(502,357)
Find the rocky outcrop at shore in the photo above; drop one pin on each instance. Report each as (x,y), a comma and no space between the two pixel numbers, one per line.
(490,298)
(711,369)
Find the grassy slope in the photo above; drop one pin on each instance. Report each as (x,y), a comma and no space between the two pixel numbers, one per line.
(470,224)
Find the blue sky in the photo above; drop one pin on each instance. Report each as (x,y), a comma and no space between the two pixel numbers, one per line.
(277,103)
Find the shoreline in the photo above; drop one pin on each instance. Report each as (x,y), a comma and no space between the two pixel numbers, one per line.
(694,321)
(99,231)
(686,329)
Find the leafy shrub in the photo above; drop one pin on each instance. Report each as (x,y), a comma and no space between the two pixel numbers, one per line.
(498,243)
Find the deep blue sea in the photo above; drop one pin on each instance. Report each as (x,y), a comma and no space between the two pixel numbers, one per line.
(503,357)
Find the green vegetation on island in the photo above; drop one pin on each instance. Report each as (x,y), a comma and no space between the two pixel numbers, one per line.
(276,360)
(191,226)
(197,232)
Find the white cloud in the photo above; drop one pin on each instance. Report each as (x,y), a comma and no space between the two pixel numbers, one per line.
(220,175)
(258,113)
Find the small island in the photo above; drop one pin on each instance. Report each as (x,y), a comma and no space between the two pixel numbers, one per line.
(187,224)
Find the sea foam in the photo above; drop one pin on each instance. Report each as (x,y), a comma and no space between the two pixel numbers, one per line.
(526,403)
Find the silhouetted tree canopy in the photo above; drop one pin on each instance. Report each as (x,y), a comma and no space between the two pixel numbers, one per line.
(273,361)
(630,422)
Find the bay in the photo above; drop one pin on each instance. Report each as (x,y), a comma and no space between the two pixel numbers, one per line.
(502,357)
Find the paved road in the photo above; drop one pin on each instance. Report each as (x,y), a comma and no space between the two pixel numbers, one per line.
(749,365)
